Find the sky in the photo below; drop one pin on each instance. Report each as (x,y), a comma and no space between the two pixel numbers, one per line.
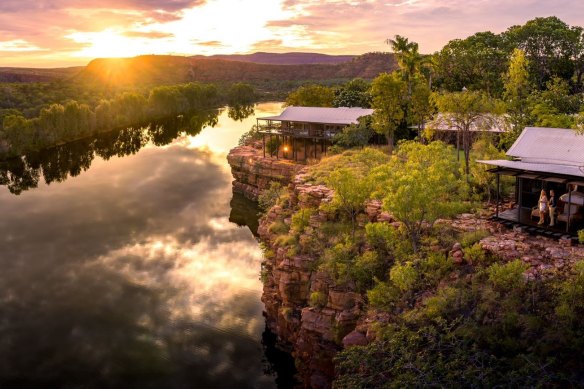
(58,33)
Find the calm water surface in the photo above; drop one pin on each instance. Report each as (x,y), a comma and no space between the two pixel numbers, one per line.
(130,273)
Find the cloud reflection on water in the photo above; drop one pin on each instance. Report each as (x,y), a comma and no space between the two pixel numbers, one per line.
(130,275)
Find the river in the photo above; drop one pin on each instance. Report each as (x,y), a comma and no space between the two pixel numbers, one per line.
(124,270)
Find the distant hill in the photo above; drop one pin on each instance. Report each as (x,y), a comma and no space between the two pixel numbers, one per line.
(295,58)
(165,69)
(37,75)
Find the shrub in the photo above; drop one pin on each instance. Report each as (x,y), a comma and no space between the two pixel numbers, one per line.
(581,236)
(270,196)
(366,268)
(435,266)
(383,295)
(475,254)
(278,227)
(286,240)
(468,239)
(301,219)
(404,277)
(338,260)
(250,136)
(317,299)
(507,277)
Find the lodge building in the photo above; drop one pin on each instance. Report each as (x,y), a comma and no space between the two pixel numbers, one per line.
(300,133)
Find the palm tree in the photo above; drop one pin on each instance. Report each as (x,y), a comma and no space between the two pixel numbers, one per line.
(409,58)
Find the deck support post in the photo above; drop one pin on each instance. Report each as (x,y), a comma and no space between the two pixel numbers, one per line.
(569,207)
(497,200)
(520,201)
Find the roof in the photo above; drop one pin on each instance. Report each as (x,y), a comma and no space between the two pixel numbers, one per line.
(487,123)
(549,145)
(565,170)
(321,115)
(558,151)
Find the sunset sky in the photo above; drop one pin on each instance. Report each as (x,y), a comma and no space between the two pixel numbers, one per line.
(53,33)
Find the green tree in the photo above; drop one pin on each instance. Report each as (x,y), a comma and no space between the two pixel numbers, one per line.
(389,94)
(354,94)
(409,59)
(466,111)
(420,107)
(517,89)
(240,94)
(311,96)
(351,191)
(355,135)
(476,63)
(555,106)
(549,45)
(419,185)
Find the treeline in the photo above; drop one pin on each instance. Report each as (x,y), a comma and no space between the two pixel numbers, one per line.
(73,120)
(58,163)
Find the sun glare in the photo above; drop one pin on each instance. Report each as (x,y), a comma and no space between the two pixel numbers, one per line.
(218,26)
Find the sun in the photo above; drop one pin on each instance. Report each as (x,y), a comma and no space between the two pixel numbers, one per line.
(109,43)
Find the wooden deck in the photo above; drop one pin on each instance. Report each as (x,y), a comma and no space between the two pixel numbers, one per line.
(509,218)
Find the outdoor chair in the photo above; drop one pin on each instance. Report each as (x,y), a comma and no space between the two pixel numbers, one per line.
(574,211)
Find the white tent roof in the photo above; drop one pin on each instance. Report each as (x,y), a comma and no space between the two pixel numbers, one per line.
(488,123)
(565,170)
(546,150)
(549,145)
(321,115)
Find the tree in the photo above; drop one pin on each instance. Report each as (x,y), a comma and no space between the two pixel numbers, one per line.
(482,178)
(389,95)
(476,63)
(354,94)
(419,185)
(355,135)
(311,96)
(549,45)
(240,94)
(466,111)
(409,58)
(420,107)
(351,191)
(517,88)
(555,106)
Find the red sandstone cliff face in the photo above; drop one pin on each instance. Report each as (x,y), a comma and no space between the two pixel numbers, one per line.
(253,173)
(314,333)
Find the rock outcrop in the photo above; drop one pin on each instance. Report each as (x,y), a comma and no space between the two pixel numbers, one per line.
(312,315)
(253,173)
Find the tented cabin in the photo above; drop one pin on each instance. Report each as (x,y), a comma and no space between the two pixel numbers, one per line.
(545,158)
(300,133)
(443,129)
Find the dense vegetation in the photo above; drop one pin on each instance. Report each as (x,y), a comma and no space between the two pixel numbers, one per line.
(58,163)
(480,322)
(530,75)
(439,323)
(72,120)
